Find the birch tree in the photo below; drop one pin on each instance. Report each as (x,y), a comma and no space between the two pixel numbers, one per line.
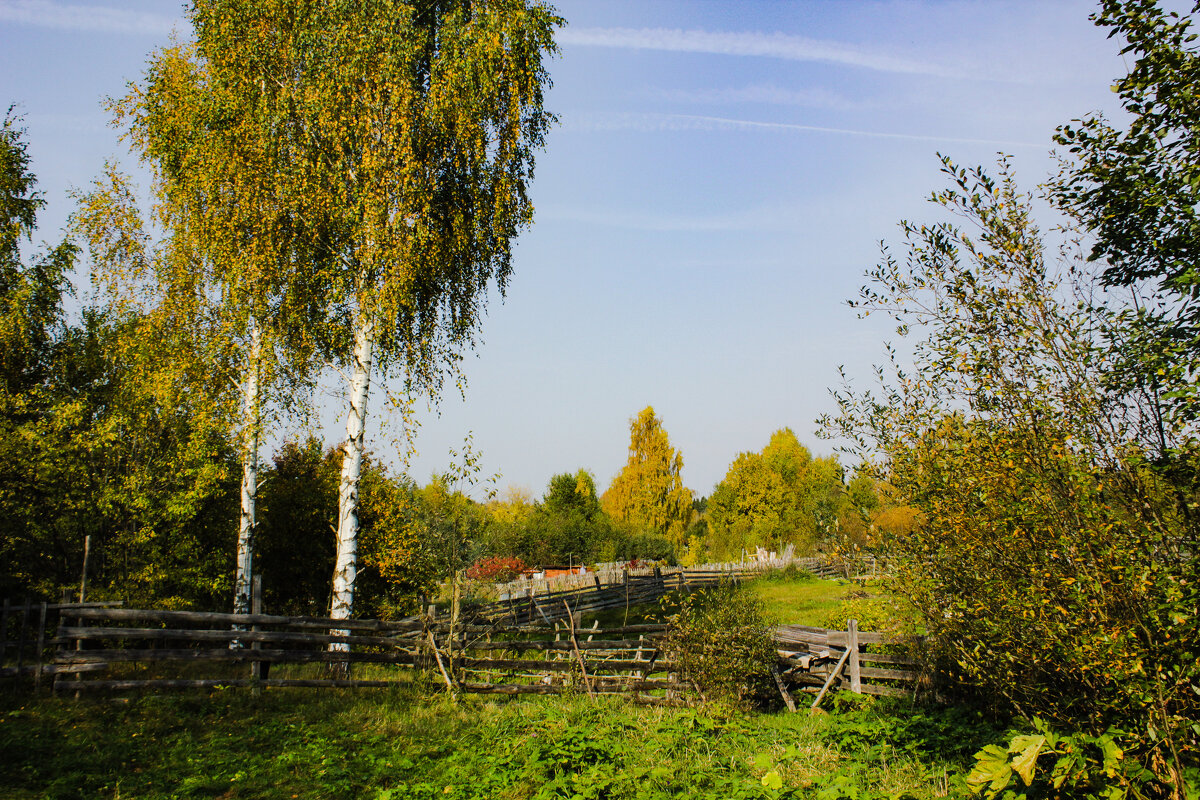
(421,123)
(212,121)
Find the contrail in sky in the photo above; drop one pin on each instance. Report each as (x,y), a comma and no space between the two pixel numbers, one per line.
(770,45)
(65,16)
(649,122)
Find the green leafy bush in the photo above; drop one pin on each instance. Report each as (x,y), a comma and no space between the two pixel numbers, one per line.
(1045,765)
(722,644)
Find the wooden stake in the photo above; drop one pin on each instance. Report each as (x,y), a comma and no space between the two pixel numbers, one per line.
(587,683)
(255,608)
(41,645)
(87,552)
(852,649)
(4,631)
(787,698)
(441,668)
(837,670)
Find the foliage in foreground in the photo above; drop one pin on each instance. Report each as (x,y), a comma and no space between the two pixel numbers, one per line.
(375,745)
(1054,560)
(1048,764)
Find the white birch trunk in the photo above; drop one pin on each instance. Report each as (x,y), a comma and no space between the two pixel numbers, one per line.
(250,443)
(345,568)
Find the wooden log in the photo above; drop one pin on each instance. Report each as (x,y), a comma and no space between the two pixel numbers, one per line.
(887,658)
(852,648)
(192,635)
(864,637)
(587,683)
(517,645)
(787,698)
(213,683)
(50,669)
(232,656)
(894,674)
(596,666)
(222,620)
(837,670)
(512,688)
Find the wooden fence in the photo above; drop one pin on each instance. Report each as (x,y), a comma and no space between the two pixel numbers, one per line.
(112,649)
(630,591)
(483,658)
(865,662)
(539,602)
(614,574)
(27,630)
(536,644)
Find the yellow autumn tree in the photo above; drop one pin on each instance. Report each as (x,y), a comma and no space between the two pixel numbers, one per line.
(648,494)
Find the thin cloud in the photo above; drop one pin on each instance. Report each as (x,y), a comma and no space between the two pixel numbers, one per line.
(768,45)
(64,16)
(764,95)
(651,123)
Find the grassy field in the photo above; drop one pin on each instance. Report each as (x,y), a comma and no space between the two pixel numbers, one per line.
(801,599)
(404,743)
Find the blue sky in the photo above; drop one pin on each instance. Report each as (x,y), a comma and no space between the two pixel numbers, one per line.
(720,180)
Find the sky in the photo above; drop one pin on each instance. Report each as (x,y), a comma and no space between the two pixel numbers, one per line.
(720,179)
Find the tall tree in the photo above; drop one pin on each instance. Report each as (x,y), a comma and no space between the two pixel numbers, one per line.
(648,493)
(421,120)
(1054,566)
(215,122)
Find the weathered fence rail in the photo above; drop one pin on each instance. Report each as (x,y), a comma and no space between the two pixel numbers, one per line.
(27,630)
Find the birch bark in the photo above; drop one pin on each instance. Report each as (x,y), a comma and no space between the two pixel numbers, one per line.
(345,568)
(251,419)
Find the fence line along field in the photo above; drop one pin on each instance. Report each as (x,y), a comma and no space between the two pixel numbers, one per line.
(539,644)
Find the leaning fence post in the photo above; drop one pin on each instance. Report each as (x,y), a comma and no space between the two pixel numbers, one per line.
(852,649)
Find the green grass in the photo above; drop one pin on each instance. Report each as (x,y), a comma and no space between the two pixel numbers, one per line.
(790,597)
(405,743)
(800,601)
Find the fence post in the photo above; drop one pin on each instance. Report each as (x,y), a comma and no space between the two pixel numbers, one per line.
(87,553)
(41,646)
(255,608)
(4,632)
(21,636)
(852,649)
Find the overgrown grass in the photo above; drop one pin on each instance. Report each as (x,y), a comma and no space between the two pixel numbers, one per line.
(402,743)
